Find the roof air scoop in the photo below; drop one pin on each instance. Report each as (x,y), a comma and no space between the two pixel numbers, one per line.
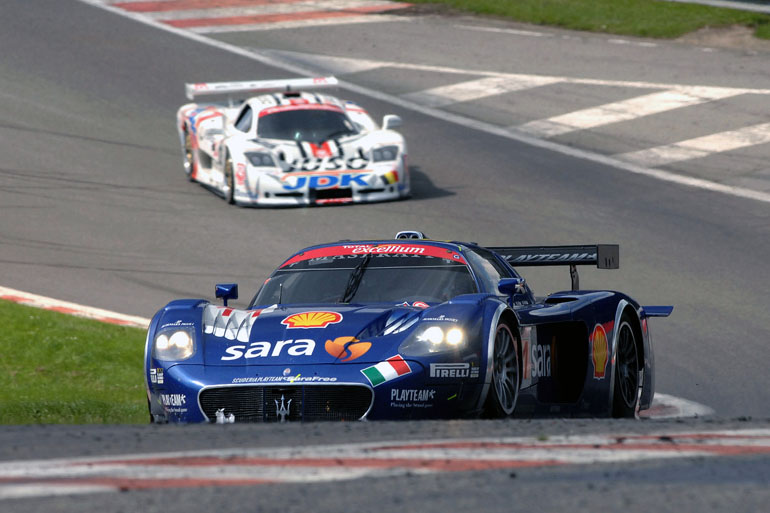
(410,234)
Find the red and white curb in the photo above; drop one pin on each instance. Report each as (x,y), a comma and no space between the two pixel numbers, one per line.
(326,463)
(208,16)
(55,305)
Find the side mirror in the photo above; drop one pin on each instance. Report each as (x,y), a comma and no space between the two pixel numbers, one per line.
(226,291)
(391,121)
(511,286)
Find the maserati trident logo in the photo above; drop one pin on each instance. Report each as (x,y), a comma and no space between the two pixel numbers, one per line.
(282,410)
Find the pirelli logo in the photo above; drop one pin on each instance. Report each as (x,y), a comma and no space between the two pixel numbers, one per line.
(453,370)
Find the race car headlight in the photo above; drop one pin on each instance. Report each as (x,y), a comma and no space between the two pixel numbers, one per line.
(173,345)
(433,339)
(385,154)
(260,159)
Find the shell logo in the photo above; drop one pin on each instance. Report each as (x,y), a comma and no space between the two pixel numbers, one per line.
(600,351)
(348,347)
(312,319)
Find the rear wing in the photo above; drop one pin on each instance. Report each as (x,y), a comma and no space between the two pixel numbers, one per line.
(258,86)
(604,256)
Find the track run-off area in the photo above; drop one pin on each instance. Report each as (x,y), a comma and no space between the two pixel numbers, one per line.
(517,135)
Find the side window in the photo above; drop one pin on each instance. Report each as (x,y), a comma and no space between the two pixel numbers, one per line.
(243,123)
(489,270)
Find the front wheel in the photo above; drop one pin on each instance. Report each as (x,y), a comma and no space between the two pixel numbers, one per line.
(189,159)
(230,193)
(627,375)
(504,392)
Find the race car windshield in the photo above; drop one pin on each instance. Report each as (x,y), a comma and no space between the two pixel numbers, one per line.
(377,278)
(312,125)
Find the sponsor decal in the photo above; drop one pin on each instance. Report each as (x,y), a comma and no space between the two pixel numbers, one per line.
(390,369)
(347,348)
(156,376)
(440,318)
(541,361)
(412,398)
(174,403)
(453,370)
(362,249)
(325,181)
(240,173)
(298,347)
(412,395)
(285,379)
(286,371)
(285,108)
(344,250)
(599,351)
(420,304)
(176,324)
(173,399)
(312,319)
(330,164)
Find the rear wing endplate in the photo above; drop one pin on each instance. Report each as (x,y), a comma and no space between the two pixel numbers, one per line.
(258,86)
(604,256)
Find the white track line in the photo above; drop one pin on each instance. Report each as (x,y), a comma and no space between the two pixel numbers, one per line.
(477,89)
(466,122)
(700,146)
(626,110)
(47,303)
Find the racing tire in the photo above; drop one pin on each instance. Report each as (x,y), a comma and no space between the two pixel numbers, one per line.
(625,396)
(189,159)
(229,180)
(506,377)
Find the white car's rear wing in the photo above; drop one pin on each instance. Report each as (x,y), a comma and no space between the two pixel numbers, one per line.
(258,86)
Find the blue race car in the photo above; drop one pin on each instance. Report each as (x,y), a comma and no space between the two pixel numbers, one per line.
(408,328)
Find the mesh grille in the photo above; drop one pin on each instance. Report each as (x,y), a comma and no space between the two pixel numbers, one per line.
(262,403)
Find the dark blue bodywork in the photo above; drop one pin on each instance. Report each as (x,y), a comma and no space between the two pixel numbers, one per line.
(276,362)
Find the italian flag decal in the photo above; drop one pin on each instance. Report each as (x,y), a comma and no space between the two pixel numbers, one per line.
(391,368)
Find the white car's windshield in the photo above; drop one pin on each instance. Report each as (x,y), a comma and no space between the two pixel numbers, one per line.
(311,125)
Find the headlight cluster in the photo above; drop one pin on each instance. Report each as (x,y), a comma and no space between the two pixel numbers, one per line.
(433,339)
(260,159)
(385,154)
(173,345)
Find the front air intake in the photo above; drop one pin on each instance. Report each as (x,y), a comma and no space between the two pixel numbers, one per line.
(273,403)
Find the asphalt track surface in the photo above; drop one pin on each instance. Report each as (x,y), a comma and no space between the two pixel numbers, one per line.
(96,210)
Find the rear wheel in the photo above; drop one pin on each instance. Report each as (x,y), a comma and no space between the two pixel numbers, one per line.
(627,371)
(230,193)
(504,392)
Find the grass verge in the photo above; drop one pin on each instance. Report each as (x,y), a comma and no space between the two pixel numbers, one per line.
(644,18)
(59,369)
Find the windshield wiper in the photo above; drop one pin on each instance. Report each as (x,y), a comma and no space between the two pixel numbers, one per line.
(355,279)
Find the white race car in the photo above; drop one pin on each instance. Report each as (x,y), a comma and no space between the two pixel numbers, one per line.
(290,146)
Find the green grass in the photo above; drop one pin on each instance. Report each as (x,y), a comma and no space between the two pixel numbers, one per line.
(645,18)
(59,369)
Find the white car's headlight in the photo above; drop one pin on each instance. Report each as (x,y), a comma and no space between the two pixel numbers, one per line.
(385,153)
(260,159)
(433,339)
(173,345)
